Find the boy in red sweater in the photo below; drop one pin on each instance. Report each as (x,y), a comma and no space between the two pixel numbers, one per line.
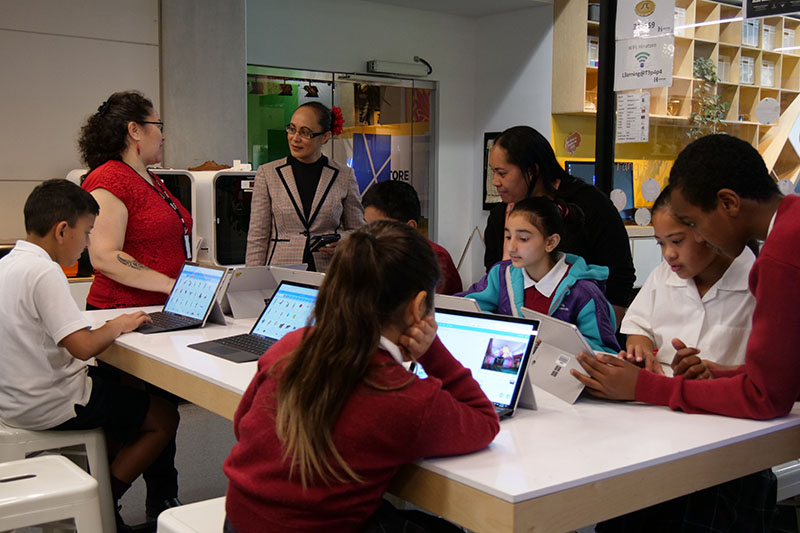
(722,189)
(398,201)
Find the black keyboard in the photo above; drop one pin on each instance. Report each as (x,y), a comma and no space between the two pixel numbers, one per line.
(168,320)
(248,343)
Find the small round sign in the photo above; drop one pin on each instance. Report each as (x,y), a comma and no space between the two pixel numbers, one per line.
(768,110)
(642,216)
(786,187)
(650,190)
(618,198)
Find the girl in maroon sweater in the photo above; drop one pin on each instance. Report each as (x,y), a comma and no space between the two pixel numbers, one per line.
(332,414)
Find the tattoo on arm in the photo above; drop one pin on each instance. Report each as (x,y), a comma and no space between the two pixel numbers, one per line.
(131,263)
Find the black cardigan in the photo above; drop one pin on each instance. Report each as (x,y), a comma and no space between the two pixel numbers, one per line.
(602,239)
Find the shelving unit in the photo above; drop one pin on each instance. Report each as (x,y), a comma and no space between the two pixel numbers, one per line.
(575,88)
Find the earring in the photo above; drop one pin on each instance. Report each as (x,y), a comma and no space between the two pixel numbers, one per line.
(138,150)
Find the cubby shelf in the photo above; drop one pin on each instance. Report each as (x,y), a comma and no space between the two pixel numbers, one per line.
(748,73)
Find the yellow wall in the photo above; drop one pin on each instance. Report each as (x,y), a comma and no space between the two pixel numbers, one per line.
(650,160)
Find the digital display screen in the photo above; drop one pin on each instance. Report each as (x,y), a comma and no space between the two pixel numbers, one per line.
(492,349)
(194,291)
(623,179)
(288,310)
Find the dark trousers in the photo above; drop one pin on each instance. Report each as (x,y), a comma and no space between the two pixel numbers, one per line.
(161,477)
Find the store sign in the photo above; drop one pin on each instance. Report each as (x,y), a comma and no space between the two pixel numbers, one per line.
(768,8)
(643,63)
(645,18)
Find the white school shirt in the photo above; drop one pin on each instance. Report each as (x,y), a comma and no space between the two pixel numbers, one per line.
(719,324)
(40,382)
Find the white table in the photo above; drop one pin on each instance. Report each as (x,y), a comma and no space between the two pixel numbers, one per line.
(559,468)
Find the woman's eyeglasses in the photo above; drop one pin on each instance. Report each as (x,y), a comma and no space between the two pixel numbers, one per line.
(158,124)
(303,132)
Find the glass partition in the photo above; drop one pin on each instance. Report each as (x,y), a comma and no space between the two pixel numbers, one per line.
(388,124)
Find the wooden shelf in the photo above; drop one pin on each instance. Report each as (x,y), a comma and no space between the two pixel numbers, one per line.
(575,84)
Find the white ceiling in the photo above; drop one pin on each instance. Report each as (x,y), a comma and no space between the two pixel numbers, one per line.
(466,8)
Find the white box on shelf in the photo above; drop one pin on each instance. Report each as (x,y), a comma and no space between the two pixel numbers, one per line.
(723,68)
(767,73)
(788,38)
(746,70)
(592,50)
(680,20)
(768,37)
(750,32)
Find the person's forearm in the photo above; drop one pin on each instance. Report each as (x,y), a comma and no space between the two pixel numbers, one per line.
(126,270)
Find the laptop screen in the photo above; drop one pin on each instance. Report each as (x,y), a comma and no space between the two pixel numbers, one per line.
(288,310)
(492,347)
(194,291)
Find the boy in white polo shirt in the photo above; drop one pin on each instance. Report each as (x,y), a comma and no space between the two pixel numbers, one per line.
(696,297)
(45,381)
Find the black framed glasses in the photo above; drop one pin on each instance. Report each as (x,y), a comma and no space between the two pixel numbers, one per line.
(158,124)
(304,132)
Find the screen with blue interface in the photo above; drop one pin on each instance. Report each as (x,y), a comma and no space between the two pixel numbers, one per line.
(194,291)
(288,310)
(623,179)
(493,349)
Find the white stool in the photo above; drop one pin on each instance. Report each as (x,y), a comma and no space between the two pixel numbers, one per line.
(89,446)
(48,489)
(208,515)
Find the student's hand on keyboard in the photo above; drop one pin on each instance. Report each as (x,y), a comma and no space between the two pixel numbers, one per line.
(130,321)
(416,340)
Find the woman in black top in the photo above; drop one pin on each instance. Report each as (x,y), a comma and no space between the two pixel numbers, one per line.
(523,165)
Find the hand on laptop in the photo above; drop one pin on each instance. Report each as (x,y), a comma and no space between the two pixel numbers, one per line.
(130,321)
(416,340)
(609,377)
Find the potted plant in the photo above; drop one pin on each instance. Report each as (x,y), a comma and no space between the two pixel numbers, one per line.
(710,111)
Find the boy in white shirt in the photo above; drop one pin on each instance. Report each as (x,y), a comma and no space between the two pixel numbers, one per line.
(696,297)
(45,381)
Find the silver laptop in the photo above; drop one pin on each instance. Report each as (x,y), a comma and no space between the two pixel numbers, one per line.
(495,348)
(286,273)
(249,290)
(288,309)
(559,343)
(455,303)
(192,302)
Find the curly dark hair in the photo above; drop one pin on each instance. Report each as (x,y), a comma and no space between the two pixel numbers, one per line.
(103,136)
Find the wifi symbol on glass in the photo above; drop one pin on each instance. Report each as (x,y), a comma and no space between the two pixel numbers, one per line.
(641,57)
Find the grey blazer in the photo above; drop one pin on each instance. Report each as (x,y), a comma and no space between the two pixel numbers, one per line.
(277,235)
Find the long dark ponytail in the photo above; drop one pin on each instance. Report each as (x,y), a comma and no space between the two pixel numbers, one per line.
(374,273)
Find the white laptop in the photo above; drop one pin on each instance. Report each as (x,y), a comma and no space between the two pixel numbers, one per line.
(288,310)
(455,303)
(192,302)
(249,290)
(285,273)
(495,348)
(559,343)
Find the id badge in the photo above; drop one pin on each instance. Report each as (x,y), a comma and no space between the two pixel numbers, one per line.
(187,246)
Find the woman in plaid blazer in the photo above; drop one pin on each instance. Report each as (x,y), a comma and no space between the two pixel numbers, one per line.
(302,195)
